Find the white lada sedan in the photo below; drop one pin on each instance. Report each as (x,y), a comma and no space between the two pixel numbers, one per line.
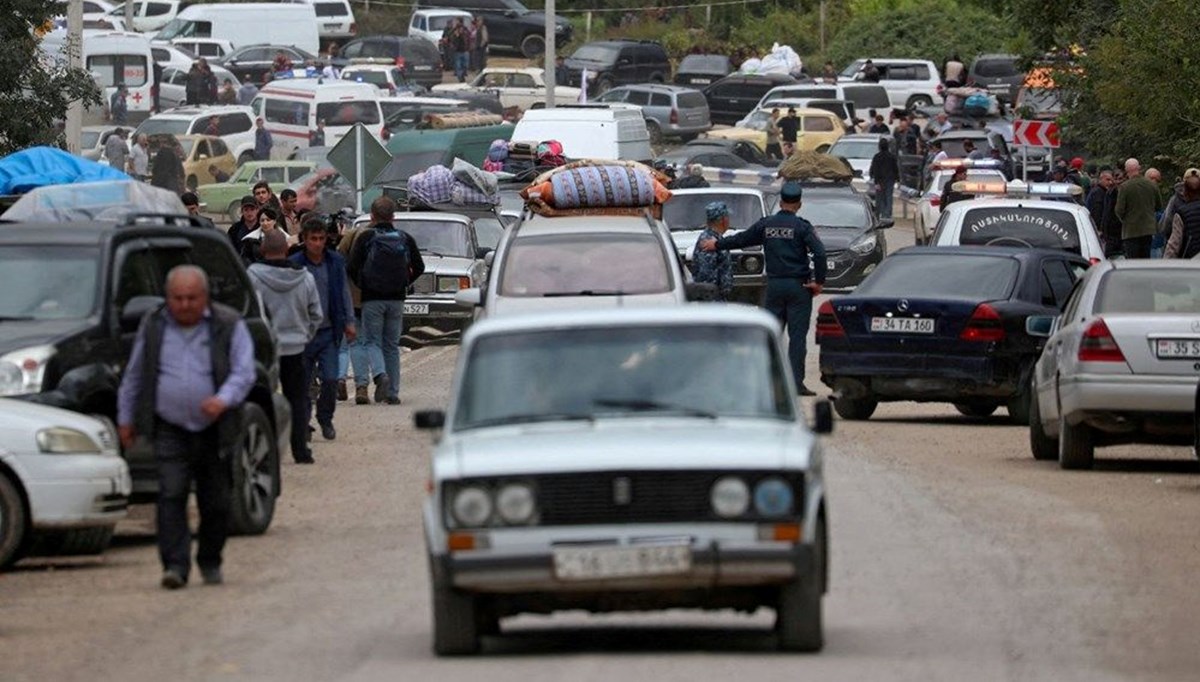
(1121,362)
(625,459)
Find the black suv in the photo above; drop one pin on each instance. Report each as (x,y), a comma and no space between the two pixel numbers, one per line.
(510,24)
(422,61)
(75,293)
(618,62)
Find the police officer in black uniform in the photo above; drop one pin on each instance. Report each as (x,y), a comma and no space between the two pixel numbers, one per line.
(788,241)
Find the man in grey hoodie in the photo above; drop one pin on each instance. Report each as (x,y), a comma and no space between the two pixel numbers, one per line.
(290,295)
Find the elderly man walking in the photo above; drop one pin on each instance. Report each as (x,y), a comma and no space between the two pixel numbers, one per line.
(1138,202)
(191,368)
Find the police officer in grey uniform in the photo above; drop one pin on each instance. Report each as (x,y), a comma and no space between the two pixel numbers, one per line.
(788,241)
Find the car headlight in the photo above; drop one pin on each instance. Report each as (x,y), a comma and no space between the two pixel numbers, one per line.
(61,440)
(22,371)
(752,264)
(472,506)
(559,28)
(449,285)
(864,244)
(516,503)
(773,497)
(730,497)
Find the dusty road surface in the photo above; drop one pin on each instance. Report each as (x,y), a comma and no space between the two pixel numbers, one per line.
(955,557)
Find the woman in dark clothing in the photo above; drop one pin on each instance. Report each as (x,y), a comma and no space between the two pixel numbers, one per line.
(166,171)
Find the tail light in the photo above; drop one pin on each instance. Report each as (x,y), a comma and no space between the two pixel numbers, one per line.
(353,28)
(985,325)
(1093,260)
(935,201)
(674,117)
(827,323)
(1098,344)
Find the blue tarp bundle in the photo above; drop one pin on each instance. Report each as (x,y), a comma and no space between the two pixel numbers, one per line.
(42,166)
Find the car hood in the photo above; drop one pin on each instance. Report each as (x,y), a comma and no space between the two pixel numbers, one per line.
(608,445)
(838,238)
(15,335)
(20,420)
(446,265)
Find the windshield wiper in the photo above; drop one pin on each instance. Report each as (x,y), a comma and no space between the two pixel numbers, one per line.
(16,318)
(585,292)
(530,418)
(652,406)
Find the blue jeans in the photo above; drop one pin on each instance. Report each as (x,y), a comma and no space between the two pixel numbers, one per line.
(791,304)
(383,322)
(883,199)
(462,61)
(354,354)
(321,360)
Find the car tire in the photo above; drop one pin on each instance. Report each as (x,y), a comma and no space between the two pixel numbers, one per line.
(656,134)
(234,210)
(1018,404)
(456,619)
(798,612)
(13,524)
(75,542)
(917,101)
(192,183)
(603,85)
(978,410)
(1076,450)
(533,45)
(1043,447)
(255,464)
(855,409)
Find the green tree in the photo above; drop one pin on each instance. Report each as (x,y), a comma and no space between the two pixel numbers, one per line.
(35,90)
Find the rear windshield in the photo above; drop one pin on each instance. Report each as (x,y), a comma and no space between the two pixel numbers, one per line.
(855,149)
(995,68)
(156,126)
(691,100)
(596,53)
(1015,226)
(1150,291)
(348,113)
(801,93)
(418,49)
(867,96)
(599,264)
(958,276)
(331,9)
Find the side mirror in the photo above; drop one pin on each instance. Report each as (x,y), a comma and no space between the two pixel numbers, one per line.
(823,417)
(884,224)
(700,291)
(468,298)
(429,420)
(136,308)
(489,258)
(483,252)
(1039,325)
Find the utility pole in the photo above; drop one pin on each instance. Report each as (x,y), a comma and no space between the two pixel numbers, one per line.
(129,15)
(74,127)
(548,59)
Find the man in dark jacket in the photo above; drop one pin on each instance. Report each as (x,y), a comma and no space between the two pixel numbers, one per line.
(196,86)
(884,172)
(246,224)
(190,370)
(375,267)
(1094,201)
(1110,223)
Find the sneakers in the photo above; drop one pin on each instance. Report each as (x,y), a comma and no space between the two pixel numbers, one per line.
(393,401)
(212,576)
(382,386)
(360,396)
(328,432)
(341,393)
(172,580)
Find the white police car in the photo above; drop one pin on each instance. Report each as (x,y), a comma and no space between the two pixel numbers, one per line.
(625,459)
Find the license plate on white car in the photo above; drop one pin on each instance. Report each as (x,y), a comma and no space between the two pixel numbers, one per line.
(422,68)
(416,308)
(598,563)
(902,325)
(1184,349)
(701,81)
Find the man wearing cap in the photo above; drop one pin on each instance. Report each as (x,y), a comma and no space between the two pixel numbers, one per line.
(714,267)
(246,224)
(788,242)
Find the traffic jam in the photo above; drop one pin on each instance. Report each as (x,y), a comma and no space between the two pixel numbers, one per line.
(666,307)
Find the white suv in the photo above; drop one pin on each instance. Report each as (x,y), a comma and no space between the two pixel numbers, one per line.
(235,126)
(910,83)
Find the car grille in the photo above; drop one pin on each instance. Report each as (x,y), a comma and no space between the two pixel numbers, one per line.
(425,284)
(639,496)
(839,263)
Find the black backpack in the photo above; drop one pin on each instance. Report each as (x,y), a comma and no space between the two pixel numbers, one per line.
(385,272)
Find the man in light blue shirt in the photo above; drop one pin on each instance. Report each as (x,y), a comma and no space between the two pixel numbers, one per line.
(190,370)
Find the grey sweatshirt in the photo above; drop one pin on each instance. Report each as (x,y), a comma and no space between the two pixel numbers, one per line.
(290,295)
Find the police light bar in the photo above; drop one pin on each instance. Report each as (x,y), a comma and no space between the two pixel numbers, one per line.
(1054,189)
(980,187)
(951,164)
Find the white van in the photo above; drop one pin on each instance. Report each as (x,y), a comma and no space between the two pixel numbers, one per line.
(212,49)
(120,57)
(291,109)
(251,23)
(335,19)
(589,131)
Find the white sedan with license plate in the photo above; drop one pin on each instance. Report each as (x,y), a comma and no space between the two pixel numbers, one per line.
(1122,362)
(625,459)
(63,483)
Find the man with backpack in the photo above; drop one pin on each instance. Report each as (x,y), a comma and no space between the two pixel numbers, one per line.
(382,263)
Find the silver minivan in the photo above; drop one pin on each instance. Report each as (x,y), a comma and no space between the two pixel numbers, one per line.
(670,110)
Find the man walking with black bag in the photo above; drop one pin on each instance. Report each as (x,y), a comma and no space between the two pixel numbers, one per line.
(382,263)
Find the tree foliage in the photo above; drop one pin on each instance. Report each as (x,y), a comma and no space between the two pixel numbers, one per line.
(34,90)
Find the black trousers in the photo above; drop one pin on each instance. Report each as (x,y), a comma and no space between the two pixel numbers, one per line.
(1138,247)
(185,457)
(294,380)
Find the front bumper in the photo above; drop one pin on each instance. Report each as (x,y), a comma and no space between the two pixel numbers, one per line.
(1081,395)
(847,269)
(434,308)
(75,491)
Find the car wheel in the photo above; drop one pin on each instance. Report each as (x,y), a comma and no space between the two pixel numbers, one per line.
(12,522)
(1075,447)
(234,210)
(456,620)
(976,409)
(855,409)
(255,464)
(533,45)
(1018,405)
(917,101)
(192,182)
(656,135)
(1044,447)
(75,542)
(798,613)
(245,158)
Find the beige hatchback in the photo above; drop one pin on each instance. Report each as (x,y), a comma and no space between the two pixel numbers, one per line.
(819,129)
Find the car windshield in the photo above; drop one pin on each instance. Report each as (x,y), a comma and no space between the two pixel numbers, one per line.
(596,53)
(158,126)
(974,277)
(1168,291)
(954,146)
(621,372)
(439,237)
(1020,226)
(827,211)
(686,211)
(704,63)
(437,23)
(587,264)
(88,139)
(852,69)
(855,149)
(47,282)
